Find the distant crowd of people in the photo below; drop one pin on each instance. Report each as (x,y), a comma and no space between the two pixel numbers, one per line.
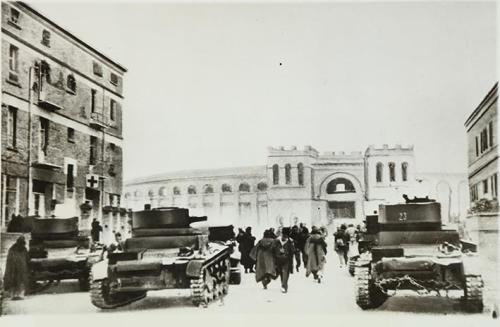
(274,255)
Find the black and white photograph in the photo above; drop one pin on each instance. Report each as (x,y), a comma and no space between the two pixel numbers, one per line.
(320,162)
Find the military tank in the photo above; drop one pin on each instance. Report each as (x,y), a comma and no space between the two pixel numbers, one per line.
(57,251)
(412,250)
(225,234)
(164,252)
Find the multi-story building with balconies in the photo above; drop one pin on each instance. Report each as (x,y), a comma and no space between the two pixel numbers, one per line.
(61,123)
(300,185)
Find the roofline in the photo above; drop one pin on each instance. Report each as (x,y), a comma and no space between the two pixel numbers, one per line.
(70,35)
(167,176)
(481,105)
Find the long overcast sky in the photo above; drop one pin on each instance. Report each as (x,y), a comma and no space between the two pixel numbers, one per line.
(213,85)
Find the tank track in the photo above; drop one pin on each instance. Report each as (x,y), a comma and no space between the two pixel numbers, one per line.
(352,265)
(211,284)
(368,296)
(101,298)
(362,275)
(473,293)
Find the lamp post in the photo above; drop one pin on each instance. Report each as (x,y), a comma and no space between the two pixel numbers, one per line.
(30,186)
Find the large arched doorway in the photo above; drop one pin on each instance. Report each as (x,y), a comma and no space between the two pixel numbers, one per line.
(343,195)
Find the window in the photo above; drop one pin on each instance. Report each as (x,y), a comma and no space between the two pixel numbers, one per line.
(191,189)
(226,188)
(484,140)
(97,69)
(71,83)
(71,135)
(13,63)
(151,194)
(44,135)
(262,187)
(379,172)
(474,193)
(70,177)
(288,174)
(45,71)
(176,191)
(485,186)
(300,174)
(46,38)
(113,78)
(14,16)
(494,185)
(392,172)
(208,189)
(276,174)
(112,109)
(112,146)
(404,171)
(162,191)
(92,100)
(93,150)
(340,185)
(477,147)
(244,187)
(12,127)
(490,127)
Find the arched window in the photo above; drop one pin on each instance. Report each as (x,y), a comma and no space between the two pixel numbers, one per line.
(226,188)
(340,185)
(244,187)
(288,174)
(127,195)
(151,194)
(191,189)
(380,170)
(208,189)
(276,174)
(404,171)
(136,194)
(392,172)
(176,191)
(300,174)
(262,187)
(162,191)
(71,83)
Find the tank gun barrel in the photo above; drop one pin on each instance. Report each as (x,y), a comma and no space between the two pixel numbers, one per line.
(196,219)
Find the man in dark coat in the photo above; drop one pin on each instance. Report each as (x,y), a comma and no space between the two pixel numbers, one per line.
(16,277)
(95,231)
(284,251)
(294,235)
(302,238)
(246,244)
(263,254)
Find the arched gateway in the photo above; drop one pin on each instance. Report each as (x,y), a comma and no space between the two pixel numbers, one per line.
(343,194)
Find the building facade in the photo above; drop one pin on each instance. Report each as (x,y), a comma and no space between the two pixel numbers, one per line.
(299,185)
(61,122)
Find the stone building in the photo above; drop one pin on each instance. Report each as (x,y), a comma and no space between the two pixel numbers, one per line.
(61,122)
(296,185)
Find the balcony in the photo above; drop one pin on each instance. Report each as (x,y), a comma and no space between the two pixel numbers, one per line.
(45,103)
(98,121)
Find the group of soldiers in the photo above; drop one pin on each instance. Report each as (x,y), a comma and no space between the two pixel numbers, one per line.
(274,255)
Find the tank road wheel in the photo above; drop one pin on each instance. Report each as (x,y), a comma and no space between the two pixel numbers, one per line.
(473,294)
(367,294)
(101,297)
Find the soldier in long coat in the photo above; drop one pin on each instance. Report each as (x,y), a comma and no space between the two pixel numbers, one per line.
(263,254)
(284,251)
(315,248)
(16,277)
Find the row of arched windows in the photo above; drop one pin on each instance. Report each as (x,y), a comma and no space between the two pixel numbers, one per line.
(207,189)
(392,172)
(288,174)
